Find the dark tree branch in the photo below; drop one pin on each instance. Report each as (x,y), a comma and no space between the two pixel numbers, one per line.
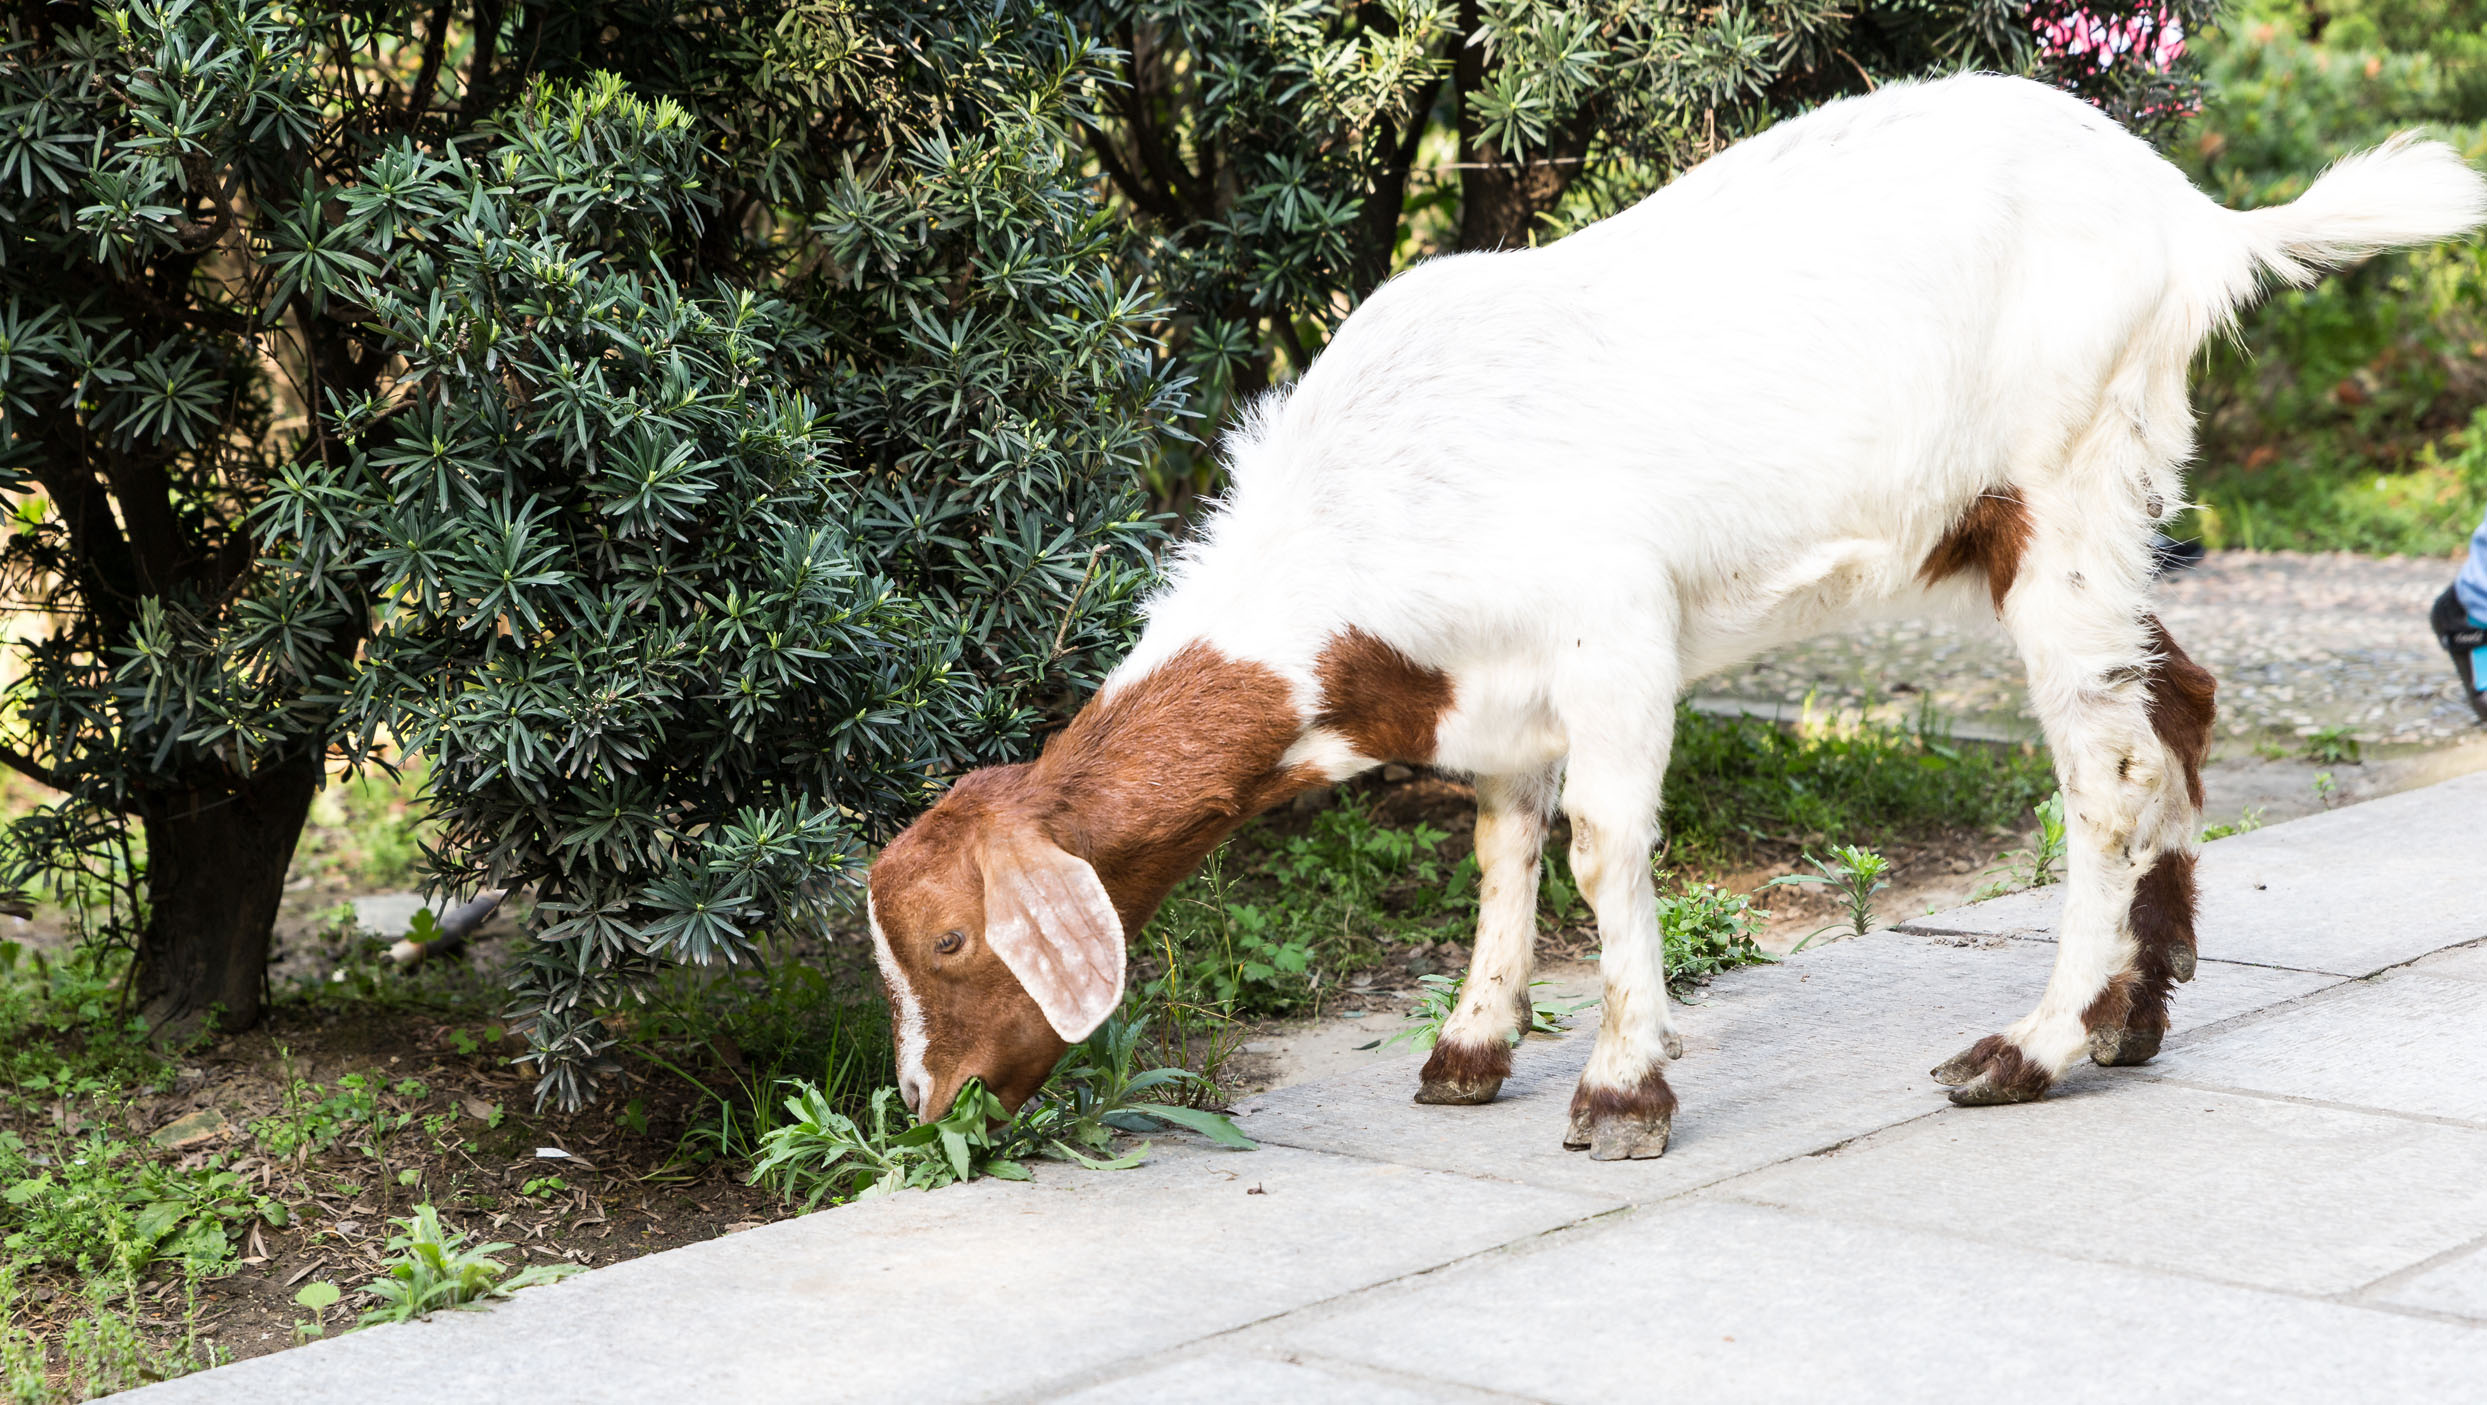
(1377,223)
(31,769)
(1143,196)
(427,77)
(1139,104)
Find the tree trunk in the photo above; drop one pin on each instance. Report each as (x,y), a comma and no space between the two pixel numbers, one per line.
(1499,198)
(215,872)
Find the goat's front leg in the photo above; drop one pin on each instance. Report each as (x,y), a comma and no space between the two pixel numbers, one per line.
(1473,1055)
(1623,1107)
(2130,741)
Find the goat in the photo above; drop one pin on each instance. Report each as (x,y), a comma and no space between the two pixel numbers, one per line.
(1920,350)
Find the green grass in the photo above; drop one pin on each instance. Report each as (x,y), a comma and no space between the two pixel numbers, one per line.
(1276,923)
(83,1200)
(819,1154)
(2343,416)
(1743,789)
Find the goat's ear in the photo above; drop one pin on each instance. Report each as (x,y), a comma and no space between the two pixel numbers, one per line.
(1049,919)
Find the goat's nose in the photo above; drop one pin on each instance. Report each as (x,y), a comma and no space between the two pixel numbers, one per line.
(911,1091)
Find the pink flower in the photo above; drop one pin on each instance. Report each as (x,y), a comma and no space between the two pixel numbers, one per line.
(2150,36)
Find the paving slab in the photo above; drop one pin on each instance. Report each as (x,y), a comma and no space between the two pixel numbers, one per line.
(1721,1301)
(2457,1286)
(2405,1042)
(2350,892)
(968,1293)
(1778,1061)
(2254,1191)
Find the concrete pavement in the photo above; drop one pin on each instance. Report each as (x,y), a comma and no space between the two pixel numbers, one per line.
(2289,1204)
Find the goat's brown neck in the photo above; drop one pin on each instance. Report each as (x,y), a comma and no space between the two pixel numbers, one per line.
(1145,782)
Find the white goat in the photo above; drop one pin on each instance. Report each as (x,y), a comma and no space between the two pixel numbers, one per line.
(1924,349)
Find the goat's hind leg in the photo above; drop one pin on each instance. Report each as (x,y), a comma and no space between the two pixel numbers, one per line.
(2129,744)
(1473,1055)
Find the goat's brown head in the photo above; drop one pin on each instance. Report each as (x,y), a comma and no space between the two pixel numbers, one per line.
(999,948)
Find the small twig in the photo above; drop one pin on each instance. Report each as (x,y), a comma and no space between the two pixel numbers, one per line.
(1063,629)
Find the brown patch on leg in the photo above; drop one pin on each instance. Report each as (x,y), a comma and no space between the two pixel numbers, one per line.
(1992,1071)
(1990,537)
(2129,1018)
(2183,704)
(1385,703)
(1620,1124)
(1462,1074)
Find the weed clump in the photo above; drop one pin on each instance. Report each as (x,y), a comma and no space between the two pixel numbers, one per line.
(432,1268)
(820,1154)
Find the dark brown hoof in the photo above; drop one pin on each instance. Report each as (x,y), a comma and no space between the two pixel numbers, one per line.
(1461,1075)
(1991,1072)
(1622,1124)
(1957,1069)
(2181,960)
(2122,1048)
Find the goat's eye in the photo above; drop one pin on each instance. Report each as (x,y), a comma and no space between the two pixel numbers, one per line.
(950,943)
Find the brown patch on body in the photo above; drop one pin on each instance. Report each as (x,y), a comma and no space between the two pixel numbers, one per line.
(1384,703)
(2129,1017)
(1459,1073)
(1990,537)
(2183,704)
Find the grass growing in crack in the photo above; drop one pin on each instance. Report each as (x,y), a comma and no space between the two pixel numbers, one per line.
(819,1154)
(1854,875)
(2247,821)
(432,1268)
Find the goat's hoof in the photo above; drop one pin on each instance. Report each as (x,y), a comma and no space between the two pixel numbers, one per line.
(1625,1137)
(1991,1072)
(2119,1048)
(1957,1069)
(1622,1124)
(1673,1043)
(2181,961)
(1448,1092)
(1462,1074)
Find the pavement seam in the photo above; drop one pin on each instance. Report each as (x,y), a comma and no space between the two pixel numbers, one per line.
(2347,1298)
(1132,1364)
(2399,1276)
(1440,1387)
(2465,1124)
(2338,989)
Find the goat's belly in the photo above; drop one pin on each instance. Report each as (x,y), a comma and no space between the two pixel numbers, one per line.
(1499,724)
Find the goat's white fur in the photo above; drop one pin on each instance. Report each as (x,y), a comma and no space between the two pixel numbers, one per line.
(1576,478)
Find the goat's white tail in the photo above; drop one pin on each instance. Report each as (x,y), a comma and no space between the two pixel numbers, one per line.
(2403,192)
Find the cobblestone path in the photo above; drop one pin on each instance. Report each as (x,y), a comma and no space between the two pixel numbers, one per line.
(2298,642)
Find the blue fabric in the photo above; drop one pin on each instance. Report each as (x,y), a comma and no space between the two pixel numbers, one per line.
(2471,585)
